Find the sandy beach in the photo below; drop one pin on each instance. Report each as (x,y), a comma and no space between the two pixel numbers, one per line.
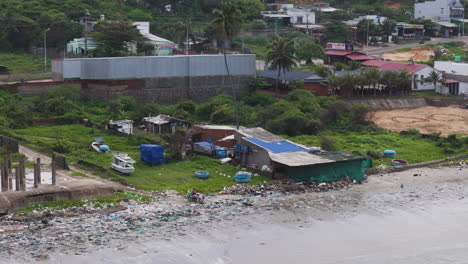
(415,216)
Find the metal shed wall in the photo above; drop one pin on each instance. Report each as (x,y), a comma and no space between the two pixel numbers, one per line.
(125,68)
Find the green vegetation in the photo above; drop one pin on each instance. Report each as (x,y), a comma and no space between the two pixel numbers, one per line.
(74,142)
(413,147)
(99,202)
(23,63)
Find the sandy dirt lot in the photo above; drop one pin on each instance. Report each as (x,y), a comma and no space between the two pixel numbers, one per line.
(429,119)
(416,53)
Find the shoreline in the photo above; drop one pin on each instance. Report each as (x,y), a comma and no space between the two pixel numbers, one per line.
(170,217)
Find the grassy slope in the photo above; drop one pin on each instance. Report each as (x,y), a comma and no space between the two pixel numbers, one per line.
(23,63)
(177,176)
(410,148)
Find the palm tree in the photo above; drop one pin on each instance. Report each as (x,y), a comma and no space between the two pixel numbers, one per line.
(434,77)
(388,27)
(354,65)
(362,81)
(390,80)
(348,84)
(227,23)
(334,82)
(404,81)
(373,75)
(281,57)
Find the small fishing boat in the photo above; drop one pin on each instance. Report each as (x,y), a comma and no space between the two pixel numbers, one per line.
(98,146)
(399,162)
(121,162)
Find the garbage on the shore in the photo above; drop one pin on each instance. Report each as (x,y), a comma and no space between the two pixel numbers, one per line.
(399,162)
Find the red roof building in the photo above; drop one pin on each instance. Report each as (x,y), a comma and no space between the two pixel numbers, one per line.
(395,66)
(344,56)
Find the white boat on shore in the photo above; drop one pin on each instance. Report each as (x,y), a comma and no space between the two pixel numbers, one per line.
(123,163)
(98,146)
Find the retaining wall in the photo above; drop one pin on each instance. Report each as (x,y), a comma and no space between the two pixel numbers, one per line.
(373,171)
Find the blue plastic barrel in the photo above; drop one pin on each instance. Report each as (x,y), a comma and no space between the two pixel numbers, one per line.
(243,177)
(104,148)
(389,153)
(202,174)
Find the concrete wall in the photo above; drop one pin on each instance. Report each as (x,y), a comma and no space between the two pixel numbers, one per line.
(383,104)
(166,90)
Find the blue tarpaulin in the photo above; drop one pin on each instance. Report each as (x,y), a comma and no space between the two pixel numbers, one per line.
(152,153)
(277,146)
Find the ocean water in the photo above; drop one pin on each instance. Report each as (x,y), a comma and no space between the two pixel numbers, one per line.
(428,234)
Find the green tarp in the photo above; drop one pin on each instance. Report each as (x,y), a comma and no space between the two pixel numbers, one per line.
(330,172)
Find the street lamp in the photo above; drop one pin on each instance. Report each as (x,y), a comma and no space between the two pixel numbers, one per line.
(45,49)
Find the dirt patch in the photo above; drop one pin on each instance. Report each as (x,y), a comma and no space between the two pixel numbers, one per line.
(429,119)
(392,5)
(416,53)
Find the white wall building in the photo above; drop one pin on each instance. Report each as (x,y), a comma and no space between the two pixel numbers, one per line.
(438,10)
(375,19)
(457,71)
(301,16)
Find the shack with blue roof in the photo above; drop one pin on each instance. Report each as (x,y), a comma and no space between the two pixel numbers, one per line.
(261,150)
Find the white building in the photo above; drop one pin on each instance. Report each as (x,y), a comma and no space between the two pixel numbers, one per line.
(453,72)
(301,16)
(438,10)
(375,19)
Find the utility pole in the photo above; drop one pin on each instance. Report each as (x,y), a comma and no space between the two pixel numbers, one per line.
(368,22)
(86,32)
(187,45)
(45,49)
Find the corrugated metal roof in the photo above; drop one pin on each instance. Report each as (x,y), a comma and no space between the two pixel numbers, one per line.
(287,76)
(296,159)
(277,146)
(260,133)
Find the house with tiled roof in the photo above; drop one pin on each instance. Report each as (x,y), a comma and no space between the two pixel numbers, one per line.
(419,71)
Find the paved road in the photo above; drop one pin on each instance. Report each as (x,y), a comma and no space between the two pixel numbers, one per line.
(380,51)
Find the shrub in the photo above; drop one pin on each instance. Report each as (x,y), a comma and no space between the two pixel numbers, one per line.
(413,132)
(327,143)
(255,99)
(258,24)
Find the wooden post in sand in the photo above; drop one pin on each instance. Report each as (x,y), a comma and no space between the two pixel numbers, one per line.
(22,172)
(4,170)
(17,178)
(38,163)
(2,179)
(54,173)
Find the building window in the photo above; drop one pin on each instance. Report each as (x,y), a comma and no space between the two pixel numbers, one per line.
(441,11)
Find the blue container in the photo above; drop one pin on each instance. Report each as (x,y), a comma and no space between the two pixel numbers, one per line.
(243,177)
(104,148)
(152,153)
(202,174)
(221,153)
(389,153)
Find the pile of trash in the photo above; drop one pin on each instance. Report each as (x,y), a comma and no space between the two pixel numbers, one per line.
(287,186)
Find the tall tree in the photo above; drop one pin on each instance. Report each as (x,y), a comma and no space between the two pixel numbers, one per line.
(307,49)
(434,77)
(354,65)
(390,80)
(227,24)
(334,83)
(388,27)
(281,57)
(115,36)
(373,74)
